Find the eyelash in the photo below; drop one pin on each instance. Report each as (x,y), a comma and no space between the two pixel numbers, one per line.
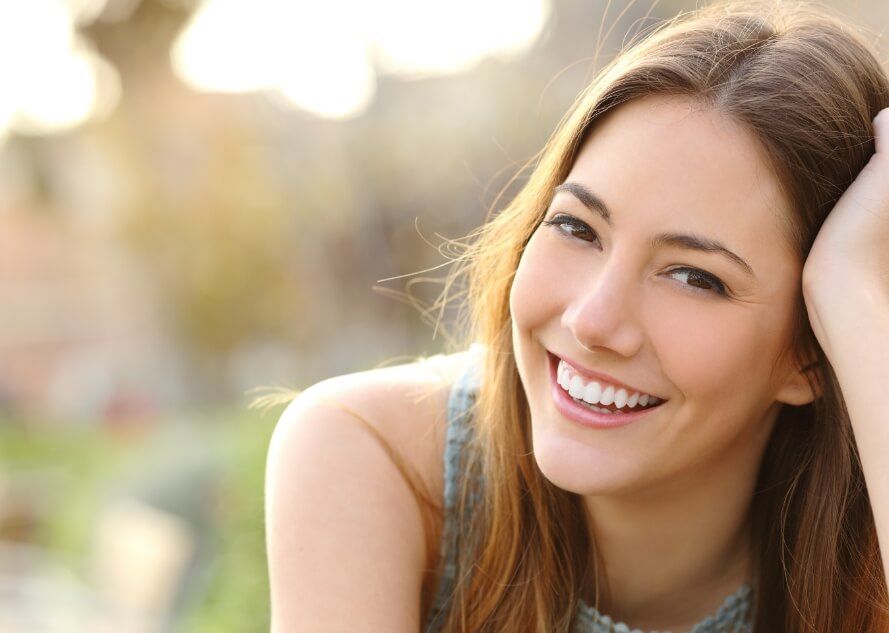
(717,287)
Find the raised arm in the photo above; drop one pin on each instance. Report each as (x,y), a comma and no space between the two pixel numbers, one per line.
(846,289)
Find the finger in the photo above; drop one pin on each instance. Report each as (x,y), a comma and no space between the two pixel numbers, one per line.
(881,131)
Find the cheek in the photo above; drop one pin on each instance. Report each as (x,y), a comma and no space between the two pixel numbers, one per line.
(533,294)
(720,354)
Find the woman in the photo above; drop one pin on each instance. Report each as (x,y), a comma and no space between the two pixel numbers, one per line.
(682,331)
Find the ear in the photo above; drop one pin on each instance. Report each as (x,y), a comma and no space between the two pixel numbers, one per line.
(796,389)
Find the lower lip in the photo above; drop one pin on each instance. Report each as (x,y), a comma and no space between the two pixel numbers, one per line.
(583,415)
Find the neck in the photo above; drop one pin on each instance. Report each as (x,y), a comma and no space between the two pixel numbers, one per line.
(673,552)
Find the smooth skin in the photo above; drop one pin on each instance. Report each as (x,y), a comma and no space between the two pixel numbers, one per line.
(846,290)
(344,537)
(345,541)
(671,493)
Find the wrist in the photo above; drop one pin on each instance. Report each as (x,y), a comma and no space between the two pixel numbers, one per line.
(841,288)
(854,309)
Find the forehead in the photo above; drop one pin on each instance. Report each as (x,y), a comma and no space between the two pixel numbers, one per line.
(676,164)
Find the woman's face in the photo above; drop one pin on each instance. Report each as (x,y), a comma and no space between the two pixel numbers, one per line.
(612,300)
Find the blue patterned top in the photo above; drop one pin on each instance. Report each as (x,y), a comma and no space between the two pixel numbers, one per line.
(733,616)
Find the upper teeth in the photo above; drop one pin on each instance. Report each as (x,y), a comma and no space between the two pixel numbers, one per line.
(595,392)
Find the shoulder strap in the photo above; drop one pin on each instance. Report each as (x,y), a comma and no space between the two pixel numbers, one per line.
(460,401)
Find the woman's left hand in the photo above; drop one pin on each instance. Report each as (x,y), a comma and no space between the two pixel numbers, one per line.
(846,290)
(847,268)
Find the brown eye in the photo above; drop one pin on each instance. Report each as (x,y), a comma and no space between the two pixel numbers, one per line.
(572,227)
(701,281)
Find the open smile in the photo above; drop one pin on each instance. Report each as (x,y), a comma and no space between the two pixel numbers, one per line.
(584,413)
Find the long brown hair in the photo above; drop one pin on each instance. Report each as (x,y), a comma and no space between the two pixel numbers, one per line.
(806,85)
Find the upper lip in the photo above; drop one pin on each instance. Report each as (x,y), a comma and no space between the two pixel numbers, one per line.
(586,372)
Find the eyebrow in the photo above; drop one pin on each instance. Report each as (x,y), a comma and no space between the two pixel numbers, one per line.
(677,240)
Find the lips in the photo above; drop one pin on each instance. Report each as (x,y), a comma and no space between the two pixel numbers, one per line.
(584,415)
(604,379)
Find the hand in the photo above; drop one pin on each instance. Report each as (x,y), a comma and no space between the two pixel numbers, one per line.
(852,246)
(845,278)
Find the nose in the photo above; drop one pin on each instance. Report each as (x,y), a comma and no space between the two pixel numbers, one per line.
(603,310)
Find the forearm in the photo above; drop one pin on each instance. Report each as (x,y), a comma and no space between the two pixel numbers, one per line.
(854,332)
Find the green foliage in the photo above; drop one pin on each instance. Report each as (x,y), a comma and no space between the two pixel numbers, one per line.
(80,466)
(64,470)
(238,596)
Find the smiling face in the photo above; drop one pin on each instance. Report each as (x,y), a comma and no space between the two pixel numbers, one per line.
(608,296)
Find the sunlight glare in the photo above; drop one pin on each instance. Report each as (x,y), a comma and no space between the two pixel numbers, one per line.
(237,46)
(419,39)
(50,79)
(323,57)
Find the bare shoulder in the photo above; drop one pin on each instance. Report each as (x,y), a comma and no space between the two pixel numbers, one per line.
(405,403)
(345,535)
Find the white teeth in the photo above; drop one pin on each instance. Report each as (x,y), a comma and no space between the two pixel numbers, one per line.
(592,392)
(595,393)
(576,388)
(620,398)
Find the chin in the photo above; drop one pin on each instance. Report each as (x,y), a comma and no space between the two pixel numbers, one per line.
(582,469)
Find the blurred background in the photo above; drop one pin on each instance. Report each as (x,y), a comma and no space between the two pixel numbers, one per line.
(203,197)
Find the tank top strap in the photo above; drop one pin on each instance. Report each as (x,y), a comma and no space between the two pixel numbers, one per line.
(459,431)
